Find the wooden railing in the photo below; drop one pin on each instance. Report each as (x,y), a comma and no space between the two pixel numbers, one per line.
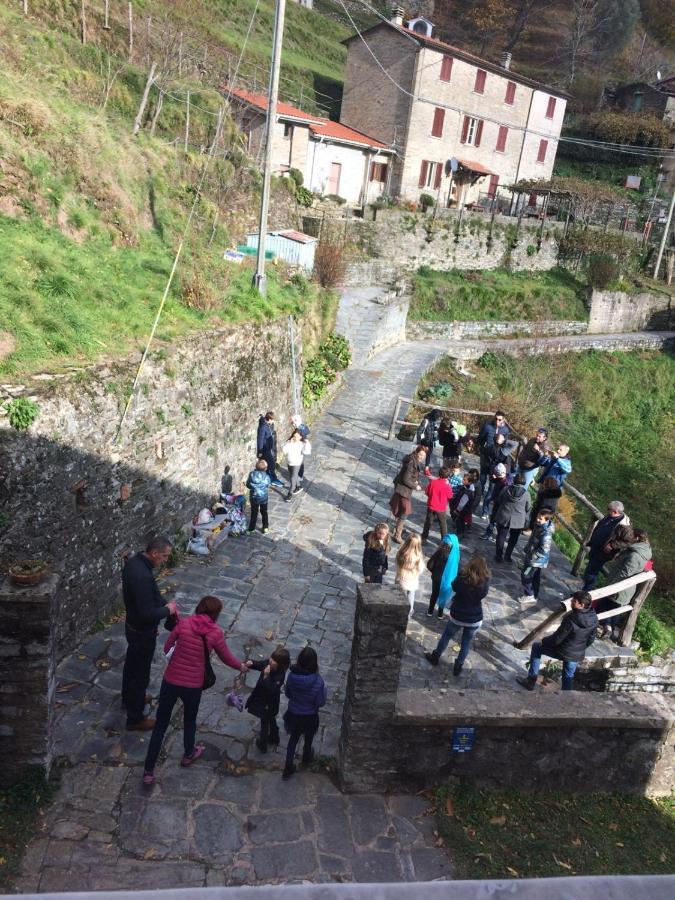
(581,538)
(646,579)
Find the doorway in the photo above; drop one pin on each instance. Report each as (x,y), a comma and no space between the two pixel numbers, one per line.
(334,178)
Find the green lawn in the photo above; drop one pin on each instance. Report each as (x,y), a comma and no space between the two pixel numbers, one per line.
(497,295)
(615,410)
(505,834)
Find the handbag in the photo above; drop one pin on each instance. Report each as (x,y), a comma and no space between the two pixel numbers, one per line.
(209,674)
(234,698)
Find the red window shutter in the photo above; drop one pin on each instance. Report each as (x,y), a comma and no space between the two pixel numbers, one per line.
(446,68)
(439,118)
(479,133)
(439,174)
(501,138)
(550,109)
(541,156)
(492,190)
(479,85)
(510,93)
(423,173)
(465,129)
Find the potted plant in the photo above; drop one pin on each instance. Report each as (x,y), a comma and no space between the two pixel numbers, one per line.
(28,571)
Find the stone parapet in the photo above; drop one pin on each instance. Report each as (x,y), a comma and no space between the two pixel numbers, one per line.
(27,676)
(621,311)
(427,330)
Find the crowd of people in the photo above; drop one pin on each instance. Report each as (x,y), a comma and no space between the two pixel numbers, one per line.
(519,493)
(501,489)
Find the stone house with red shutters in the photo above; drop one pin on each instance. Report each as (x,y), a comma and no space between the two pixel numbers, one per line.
(461,126)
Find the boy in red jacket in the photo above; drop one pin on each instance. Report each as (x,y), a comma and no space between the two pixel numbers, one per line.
(440,494)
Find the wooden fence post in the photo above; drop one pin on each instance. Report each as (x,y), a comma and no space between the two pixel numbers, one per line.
(397,409)
(187,123)
(581,554)
(626,635)
(131,31)
(141,109)
(83,22)
(106,16)
(25,7)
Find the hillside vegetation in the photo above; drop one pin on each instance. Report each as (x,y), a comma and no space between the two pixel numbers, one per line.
(90,217)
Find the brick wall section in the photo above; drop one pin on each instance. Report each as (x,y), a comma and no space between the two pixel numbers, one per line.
(453,331)
(401,741)
(619,311)
(27,676)
(196,412)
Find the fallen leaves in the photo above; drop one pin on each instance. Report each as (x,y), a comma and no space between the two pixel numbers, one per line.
(150,854)
(449,807)
(498,820)
(562,863)
(514,872)
(613,826)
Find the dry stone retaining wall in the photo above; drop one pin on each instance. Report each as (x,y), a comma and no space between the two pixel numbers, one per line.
(620,311)
(73,496)
(452,331)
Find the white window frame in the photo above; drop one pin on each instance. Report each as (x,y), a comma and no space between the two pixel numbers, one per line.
(432,170)
(471,130)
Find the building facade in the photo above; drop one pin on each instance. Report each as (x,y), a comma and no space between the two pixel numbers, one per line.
(461,126)
(657,98)
(333,158)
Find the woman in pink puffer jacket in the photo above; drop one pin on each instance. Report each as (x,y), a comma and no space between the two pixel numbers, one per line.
(184,678)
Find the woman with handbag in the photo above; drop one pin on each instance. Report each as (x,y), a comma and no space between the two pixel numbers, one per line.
(189,673)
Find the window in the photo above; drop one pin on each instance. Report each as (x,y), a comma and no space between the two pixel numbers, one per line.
(510,92)
(550,109)
(378,172)
(288,130)
(439,118)
(430,174)
(446,68)
(501,139)
(472,131)
(637,101)
(479,85)
(492,189)
(541,155)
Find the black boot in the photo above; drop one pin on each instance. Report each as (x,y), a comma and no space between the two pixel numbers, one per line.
(457,668)
(529,682)
(431,657)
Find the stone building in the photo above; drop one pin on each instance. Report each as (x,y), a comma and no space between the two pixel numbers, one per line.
(333,158)
(657,98)
(435,104)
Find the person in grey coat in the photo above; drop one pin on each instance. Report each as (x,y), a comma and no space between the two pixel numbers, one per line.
(510,517)
(631,561)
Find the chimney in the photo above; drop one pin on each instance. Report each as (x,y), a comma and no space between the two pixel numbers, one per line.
(505,60)
(397,14)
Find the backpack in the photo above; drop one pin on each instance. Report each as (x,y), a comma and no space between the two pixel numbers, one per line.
(425,433)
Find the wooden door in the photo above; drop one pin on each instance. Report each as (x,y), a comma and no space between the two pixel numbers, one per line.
(334,178)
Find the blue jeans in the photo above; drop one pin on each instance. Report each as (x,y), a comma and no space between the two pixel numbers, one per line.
(450,630)
(529,475)
(594,567)
(569,666)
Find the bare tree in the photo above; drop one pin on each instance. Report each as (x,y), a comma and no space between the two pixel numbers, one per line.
(109,76)
(521,16)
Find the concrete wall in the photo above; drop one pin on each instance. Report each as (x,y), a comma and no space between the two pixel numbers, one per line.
(352,177)
(195,413)
(619,311)
(453,331)
(395,740)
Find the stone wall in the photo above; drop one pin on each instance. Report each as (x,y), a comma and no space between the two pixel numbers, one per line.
(73,496)
(27,677)
(453,331)
(620,311)
(402,740)
(409,240)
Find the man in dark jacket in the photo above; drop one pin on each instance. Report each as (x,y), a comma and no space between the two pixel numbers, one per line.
(145,608)
(486,439)
(601,534)
(510,517)
(533,455)
(575,634)
(267,446)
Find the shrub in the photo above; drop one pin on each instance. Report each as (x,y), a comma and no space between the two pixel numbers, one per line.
(332,356)
(297,176)
(426,201)
(336,351)
(196,293)
(304,196)
(602,270)
(22,412)
(336,198)
(329,262)
(531,249)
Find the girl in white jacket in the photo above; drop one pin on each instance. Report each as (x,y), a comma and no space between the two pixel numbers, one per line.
(409,566)
(296,449)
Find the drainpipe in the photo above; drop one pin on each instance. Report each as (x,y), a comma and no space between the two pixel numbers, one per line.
(370,156)
(522,147)
(311,174)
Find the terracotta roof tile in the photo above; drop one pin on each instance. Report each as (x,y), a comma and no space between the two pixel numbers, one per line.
(339,132)
(478,168)
(283,109)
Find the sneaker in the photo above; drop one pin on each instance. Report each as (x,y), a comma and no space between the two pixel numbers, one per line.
(196,753)
(277,483)
(430,612)
(440,613)
(144,725)
(251,531)
(286,774)
(288,498)
(148,778)
(298,490)
(262,747)
(485,536)
(265,531)
(527,598)
(431,657)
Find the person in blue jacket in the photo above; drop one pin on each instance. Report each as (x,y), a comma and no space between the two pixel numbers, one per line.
(266,446)
(306,692)
(258,483)
(536,555)
(556,464)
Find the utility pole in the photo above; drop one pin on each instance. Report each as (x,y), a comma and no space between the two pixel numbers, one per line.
(260,279)
(664,239)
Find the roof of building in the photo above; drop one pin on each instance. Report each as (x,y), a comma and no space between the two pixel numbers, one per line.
(298,236)
(449,49)
(284,110)
(318,125)
(476,167)
(336,131)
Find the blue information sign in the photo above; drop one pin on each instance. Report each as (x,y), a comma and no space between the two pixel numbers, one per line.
(462,739)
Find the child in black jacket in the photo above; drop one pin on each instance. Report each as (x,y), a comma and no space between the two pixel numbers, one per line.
(375,560)
(264,699)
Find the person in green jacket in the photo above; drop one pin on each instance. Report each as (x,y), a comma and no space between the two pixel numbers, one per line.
(629,562)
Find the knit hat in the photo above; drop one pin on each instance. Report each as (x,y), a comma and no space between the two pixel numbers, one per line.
(500,470)
(542,431)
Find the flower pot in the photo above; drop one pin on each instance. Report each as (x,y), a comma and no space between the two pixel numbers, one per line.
(28,572)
